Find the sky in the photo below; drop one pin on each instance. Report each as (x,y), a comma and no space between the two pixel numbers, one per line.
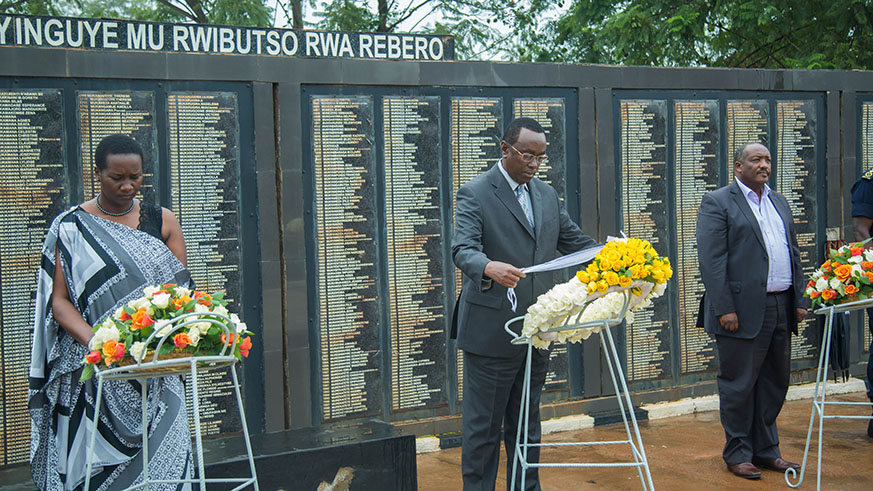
(418,20)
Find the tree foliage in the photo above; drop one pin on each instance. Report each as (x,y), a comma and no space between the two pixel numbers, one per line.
(731,33)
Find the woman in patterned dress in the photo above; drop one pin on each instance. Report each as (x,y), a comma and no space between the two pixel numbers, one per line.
(96,257)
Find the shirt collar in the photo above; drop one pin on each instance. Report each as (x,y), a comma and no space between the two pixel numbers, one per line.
(509,180)
(765,191)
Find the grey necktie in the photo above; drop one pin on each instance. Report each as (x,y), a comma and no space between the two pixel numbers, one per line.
(524,201)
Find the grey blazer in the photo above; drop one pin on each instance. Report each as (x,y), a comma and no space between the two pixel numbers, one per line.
(490,226)
(734,263)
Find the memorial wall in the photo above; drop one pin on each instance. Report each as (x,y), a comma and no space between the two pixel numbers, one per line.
(320,194)
(382,205)
(672,150)
(46,165)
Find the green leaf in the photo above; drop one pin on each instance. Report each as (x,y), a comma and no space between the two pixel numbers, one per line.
(166,348)
(87,372)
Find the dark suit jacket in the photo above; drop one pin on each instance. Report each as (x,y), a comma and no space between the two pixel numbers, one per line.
(490,226)
(734,263)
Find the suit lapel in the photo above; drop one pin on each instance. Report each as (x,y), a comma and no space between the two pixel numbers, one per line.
(743,204)
(507,197)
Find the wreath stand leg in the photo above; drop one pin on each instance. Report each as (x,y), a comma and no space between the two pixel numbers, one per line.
(622,395)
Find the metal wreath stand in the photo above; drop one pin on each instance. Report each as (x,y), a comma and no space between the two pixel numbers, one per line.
(621,394)
(821,381)
(144,370)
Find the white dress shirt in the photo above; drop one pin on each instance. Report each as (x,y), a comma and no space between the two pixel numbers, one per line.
(775,238)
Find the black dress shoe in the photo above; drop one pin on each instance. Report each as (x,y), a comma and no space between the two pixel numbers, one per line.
(776,464)
(746,470)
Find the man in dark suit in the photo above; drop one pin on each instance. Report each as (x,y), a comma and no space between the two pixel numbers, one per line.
(505,219)
(862,223)
(750,265)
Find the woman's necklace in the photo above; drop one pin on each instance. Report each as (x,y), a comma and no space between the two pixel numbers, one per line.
(132,202)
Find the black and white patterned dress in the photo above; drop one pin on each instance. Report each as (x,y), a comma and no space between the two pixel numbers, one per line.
(106,264)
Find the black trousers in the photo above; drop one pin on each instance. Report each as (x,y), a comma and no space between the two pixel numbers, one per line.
(753,379)
(492,397)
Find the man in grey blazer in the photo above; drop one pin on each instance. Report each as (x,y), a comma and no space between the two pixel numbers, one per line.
(750,265)
(505,219)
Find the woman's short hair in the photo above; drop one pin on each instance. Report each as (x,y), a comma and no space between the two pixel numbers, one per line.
(116,144)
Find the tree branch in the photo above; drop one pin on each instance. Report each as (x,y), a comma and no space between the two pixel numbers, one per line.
(408,14)
(179,10)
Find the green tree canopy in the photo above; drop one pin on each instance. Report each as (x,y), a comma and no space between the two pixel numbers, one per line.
(731,33)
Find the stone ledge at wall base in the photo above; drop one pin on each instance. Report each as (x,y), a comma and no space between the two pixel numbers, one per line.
(368,455)
(668,409)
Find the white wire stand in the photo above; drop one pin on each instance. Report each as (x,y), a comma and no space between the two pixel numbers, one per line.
(634,441)
(821,381)
(151,367)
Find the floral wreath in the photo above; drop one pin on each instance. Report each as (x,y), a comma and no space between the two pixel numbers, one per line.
(596,292)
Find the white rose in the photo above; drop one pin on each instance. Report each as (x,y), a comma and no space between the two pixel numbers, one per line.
(163,327)
(200,308)
(194,335)
(220,310)
(150,290)
(103,334)
(836,283)
(181,291)
(821,284)
(138,350)
(868,254)
(856,259)
(161,300)
(856,269)
(139,303)
(659,289)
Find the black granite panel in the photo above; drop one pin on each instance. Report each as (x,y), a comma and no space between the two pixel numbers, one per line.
(696,167)
(102,113)
(203,155)
(416,290)
(345,238)
(643,155)
(795,168)
(32,182)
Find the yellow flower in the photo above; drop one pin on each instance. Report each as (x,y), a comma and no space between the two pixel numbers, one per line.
(636,291)
(605,264)
(592,287)
(582,276)
(624,281)
(611,278)
(602,286)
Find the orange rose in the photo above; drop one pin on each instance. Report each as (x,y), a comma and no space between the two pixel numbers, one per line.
(828,294)
(866,265)
(181,340)
(869,275)
(814,294)
(177,303)
(113,351)
(826,266)
(124,316)
(857,251)
(203,298)
(93,357)
(224,339)
(245,346)
(851,289)
(843,271)
(141,319)
(811,283)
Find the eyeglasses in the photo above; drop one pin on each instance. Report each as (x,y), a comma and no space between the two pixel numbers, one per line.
(529,157)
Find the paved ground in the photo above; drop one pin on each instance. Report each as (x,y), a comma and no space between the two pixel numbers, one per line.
(684,452)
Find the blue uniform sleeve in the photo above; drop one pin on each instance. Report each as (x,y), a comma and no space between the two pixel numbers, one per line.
(862,198)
